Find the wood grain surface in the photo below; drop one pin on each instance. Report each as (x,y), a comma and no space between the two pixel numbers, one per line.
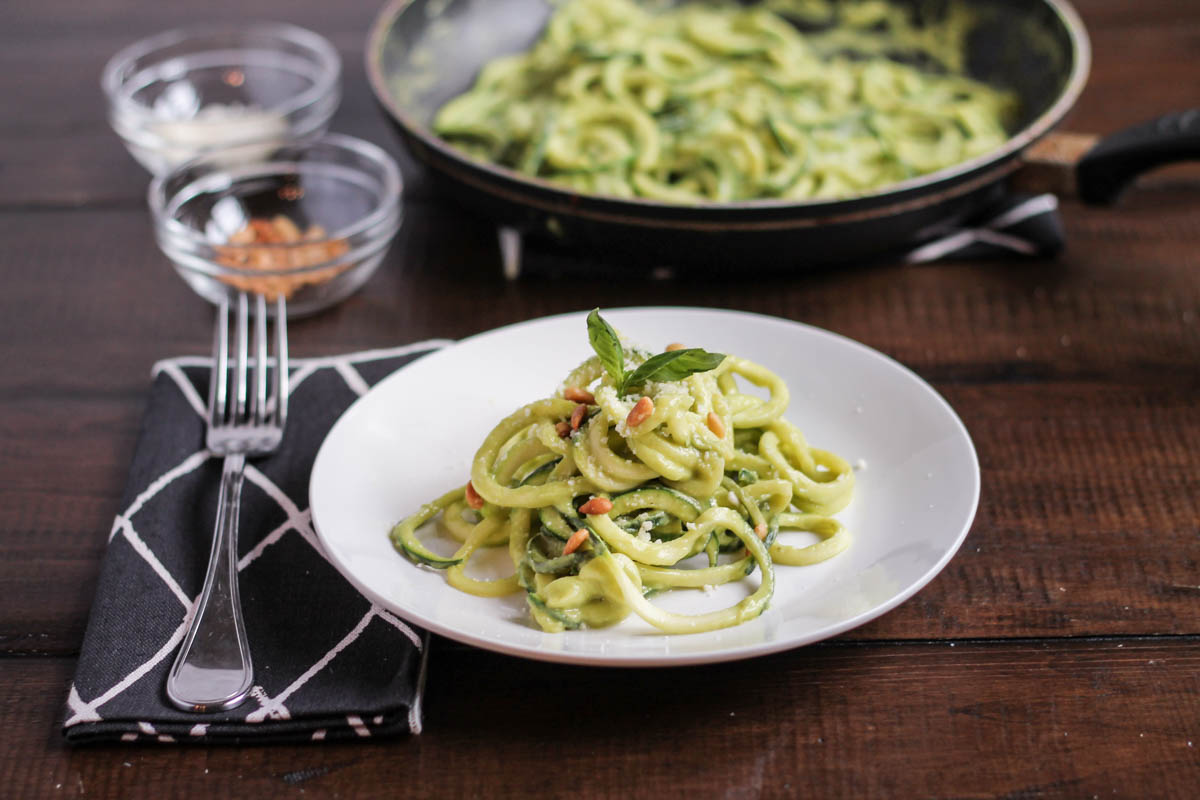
(1056,656)
(1008,719)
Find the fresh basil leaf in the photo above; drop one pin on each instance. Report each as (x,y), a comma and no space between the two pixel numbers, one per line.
(674,365)
(607,345)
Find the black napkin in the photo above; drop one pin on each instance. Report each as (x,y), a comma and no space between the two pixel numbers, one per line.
(328,664)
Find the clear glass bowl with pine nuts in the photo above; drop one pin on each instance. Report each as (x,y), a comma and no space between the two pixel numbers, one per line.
(309,221)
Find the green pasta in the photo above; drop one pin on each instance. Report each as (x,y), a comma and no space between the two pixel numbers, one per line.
(601,504)
(790,99)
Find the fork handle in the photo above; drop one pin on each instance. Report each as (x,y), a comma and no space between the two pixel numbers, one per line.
(213,671)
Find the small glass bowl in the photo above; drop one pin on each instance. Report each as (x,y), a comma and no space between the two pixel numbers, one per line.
(308,220)
(179,94)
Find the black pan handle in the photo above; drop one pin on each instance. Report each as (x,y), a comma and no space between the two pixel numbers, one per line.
(1105,170)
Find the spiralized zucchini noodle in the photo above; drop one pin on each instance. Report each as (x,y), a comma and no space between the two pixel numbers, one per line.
(791,99)
(605,494)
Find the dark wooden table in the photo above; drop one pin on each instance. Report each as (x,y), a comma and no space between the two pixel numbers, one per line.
(1057,655)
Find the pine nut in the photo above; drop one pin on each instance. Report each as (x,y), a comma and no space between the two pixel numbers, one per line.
(577,416)
(640,413)
(577,538)
(286,229)
(715,425)
(597,505)
(473,498)
(674,346)
(577,395)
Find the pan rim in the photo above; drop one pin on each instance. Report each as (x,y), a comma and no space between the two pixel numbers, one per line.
(566,201)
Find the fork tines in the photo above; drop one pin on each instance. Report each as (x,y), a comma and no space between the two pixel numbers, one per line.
(261,408)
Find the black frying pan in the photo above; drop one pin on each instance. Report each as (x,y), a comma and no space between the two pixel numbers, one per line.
(421,53)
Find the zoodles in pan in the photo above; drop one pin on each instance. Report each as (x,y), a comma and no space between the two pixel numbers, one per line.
(788,99)
(637,468)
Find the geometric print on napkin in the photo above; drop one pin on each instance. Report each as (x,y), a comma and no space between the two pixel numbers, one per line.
(328,663)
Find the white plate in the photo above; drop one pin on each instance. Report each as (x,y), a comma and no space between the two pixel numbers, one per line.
(413,436)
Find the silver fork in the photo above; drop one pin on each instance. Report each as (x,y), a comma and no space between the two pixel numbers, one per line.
(213,670)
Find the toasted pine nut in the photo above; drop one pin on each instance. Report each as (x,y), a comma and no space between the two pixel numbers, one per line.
(715,425)
(577,538)
(264,229)
(473,498)
(577,395)
(286,229)
(674,346)
(597,505)
(563,429)
(641,411)
(244,235)
(761,530)
(577,416)
(280,230)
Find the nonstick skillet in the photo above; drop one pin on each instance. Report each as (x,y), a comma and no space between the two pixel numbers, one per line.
(421,53)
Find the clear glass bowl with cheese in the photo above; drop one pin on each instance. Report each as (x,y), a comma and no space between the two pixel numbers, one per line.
(180,94)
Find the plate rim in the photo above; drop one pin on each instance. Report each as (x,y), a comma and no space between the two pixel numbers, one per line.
(678,659)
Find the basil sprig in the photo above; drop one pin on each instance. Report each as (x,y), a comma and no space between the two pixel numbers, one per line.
(673,365)
(607,345)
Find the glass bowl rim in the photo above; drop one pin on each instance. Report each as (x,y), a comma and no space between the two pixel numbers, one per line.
(388,210)
(326,54)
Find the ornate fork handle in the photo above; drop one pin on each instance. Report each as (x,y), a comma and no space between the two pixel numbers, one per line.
(213,670)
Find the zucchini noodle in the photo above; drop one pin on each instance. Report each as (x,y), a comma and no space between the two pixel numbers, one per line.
(695,494)
(791,99)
